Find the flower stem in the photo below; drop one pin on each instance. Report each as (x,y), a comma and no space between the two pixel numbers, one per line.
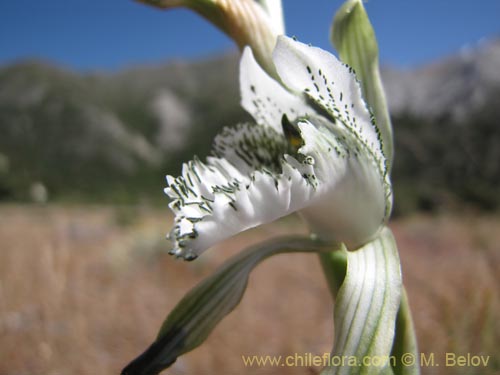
(334,266)
(405,340)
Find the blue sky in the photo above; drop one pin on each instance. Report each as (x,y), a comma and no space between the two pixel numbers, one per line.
(113,34)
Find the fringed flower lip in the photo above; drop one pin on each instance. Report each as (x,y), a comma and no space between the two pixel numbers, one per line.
(314,149)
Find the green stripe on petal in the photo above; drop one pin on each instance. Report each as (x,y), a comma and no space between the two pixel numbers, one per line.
(366,307)
(354,38)
(199,312)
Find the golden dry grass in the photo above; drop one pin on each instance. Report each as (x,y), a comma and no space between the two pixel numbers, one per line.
(84,290)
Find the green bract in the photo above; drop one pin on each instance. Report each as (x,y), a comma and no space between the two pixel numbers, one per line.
(353,36)
(366,307)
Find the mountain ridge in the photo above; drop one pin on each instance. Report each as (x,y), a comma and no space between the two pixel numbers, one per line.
(113,136)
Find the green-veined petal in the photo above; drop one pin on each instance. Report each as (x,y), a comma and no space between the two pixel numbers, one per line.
(366,308)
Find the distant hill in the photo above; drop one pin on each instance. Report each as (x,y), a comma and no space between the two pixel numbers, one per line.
(108,136)
(113,137)
(455,87)
(447,130)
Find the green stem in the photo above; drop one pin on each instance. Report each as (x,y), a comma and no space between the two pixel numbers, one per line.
(334,266)
(405,340)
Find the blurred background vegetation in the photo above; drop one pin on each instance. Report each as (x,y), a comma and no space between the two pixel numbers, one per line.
(85,280)
(112,137)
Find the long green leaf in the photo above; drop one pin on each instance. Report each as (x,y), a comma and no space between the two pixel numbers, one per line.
(354,38)
(199,312)
(366,308)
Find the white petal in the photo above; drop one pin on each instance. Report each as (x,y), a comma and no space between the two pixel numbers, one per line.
(353,203)
(264,98)
(331,87)
(226,195)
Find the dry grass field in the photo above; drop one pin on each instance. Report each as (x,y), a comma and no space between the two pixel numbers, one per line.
(83,290)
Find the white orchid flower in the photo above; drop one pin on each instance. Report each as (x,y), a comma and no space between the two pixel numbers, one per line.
(336,178)
(314,148)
